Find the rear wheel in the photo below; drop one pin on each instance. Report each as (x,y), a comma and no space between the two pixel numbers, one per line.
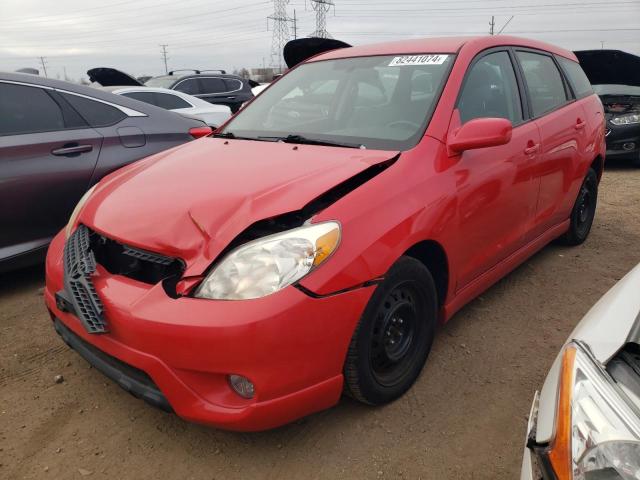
(583,211)
(394,336)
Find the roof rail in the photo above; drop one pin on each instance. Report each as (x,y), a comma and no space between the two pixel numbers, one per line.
(223,72)
(184,70)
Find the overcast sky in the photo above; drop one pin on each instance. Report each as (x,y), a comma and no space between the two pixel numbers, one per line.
(125,34)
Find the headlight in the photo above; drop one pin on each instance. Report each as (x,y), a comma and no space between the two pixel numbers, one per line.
(76,211)
(269,264)
(597,431)
(626,119)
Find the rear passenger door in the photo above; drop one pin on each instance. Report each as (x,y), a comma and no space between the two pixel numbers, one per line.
(47,156)
(496,192)
(221,91)
(562,123)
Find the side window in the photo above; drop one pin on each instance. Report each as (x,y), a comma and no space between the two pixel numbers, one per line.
(491,90)
(28,110)
(212,85)
(97,114)
(579,81)
(544,82)
(231,84)
(189,86)
(170,102)
(146,97)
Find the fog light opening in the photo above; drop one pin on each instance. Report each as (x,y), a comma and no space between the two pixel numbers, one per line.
(629,146)
(242,386)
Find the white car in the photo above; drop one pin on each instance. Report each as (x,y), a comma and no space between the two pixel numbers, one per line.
(585,422)
(182,103)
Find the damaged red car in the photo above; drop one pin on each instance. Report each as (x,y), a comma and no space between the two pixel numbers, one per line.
(312,245)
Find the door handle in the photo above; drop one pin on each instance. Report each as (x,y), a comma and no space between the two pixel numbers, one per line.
(580,124)
(231,98)
(531,149)
(71,150)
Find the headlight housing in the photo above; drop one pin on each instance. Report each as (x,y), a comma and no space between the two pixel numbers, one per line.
(76,211)
(597,431)
(626,119)
(264,266)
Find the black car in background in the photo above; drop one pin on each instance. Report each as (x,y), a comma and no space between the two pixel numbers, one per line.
(214,86)
(56,140)
(615,76)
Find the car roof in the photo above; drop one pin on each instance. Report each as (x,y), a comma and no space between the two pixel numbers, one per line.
(99,93)
(441,45)
(181,76)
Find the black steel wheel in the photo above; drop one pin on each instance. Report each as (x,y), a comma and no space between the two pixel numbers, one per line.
(584,210)
(393,338)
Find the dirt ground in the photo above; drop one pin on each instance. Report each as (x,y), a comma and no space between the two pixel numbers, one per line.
(465,417)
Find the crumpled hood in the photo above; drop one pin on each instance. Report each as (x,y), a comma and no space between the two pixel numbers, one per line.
(191,201)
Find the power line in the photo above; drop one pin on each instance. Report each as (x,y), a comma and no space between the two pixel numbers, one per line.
(505,25)
(280,35)
(164,56)
(321,7)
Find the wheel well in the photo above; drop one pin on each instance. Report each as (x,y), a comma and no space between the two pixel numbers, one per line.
(598,166)
(432,255)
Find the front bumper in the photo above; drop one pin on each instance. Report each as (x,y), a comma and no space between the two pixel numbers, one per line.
(291,346)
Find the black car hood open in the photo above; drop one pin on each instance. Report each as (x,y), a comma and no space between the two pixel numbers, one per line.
(300,49)
(613,67)
(110,77)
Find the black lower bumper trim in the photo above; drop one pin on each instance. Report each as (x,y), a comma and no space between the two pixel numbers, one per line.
(131,379)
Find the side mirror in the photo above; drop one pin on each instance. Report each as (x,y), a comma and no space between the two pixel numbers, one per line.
(480,133)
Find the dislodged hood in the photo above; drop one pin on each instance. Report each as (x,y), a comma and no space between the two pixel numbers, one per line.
(192,201)
(110,77)
(613,67)
(299,50)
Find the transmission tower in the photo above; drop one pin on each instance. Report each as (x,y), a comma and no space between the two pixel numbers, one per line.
(321,7)
(280,31)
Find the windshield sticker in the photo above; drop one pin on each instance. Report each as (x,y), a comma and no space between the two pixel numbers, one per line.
(406,60)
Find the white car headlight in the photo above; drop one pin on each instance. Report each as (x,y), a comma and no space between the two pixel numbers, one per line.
(626,119)
(76,211)
(597,431)
(264,266)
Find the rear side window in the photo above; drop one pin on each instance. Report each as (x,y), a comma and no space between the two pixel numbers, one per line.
(579,81)
(26,109)
(491,90)
(189,86)
(162,100)
(231,84)
(544,82)
(97,114)
(212,85)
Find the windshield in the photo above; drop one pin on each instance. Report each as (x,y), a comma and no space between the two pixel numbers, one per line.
(612,89)
(162,82)
(379,102)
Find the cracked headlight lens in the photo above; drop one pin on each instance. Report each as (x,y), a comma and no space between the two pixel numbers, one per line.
(264,266)
(76,211)
(597,431)
(626,119)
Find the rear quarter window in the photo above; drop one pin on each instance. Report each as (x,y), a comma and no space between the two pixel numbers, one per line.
(577,78)
(97,114)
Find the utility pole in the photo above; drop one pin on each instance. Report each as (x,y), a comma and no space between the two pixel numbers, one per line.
(492,24)
(321,7)
(280,35)
(601,44)
(164,56)
(43,61)
(295,25)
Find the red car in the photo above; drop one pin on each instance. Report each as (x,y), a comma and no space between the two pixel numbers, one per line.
(313,244)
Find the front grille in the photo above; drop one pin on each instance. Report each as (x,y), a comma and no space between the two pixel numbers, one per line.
(86,248)
(79,265)
(134,263)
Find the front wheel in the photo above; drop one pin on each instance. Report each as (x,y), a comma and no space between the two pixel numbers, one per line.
(583,211)
(393,338)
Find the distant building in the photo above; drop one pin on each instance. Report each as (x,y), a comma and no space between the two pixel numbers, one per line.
(265,75)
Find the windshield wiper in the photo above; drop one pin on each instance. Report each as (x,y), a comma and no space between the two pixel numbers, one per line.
(294,138)
(236,137)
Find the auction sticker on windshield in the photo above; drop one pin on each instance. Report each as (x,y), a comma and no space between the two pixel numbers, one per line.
(418,60)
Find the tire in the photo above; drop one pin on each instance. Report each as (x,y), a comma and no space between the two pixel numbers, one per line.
(393,339)
(584,211)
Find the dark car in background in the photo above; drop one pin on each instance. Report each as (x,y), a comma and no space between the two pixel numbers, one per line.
(56,140)
(615,76)
(214,86)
